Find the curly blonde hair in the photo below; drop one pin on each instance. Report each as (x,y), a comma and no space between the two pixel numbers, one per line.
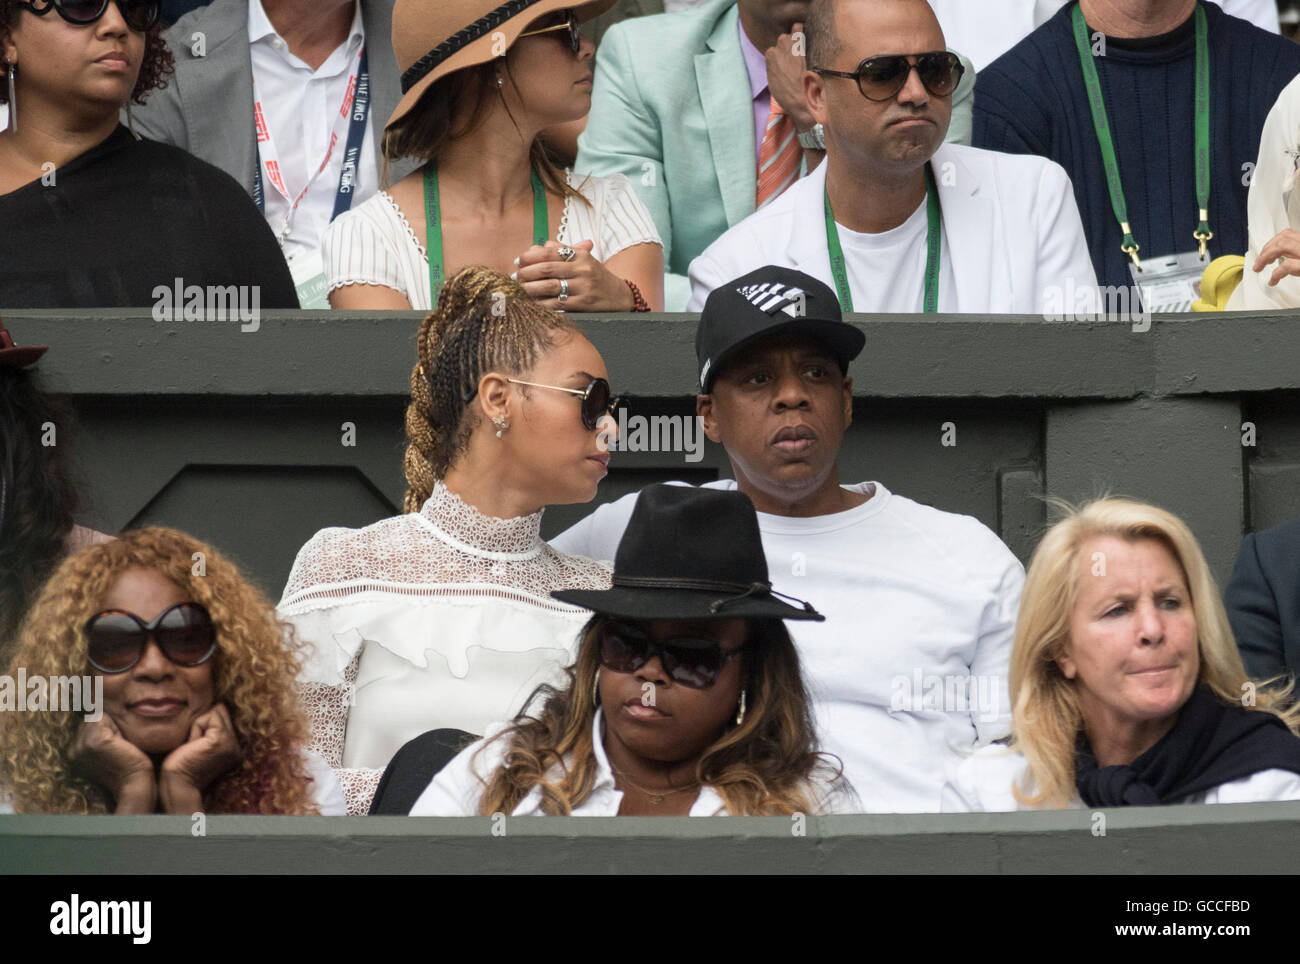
(1046,717)
(253,674)
(766,766)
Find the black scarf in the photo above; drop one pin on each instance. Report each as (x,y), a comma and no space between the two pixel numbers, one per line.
(1212,743)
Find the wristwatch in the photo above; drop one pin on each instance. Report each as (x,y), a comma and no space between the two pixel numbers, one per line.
(813,139)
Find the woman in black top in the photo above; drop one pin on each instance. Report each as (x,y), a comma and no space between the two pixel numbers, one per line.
(90,215)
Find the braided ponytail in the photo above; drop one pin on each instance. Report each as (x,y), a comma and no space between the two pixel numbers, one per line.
(483,322)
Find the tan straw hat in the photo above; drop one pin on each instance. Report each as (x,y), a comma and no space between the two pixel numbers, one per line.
(433,38)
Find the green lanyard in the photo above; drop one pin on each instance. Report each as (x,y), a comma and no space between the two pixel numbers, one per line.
(932,246)
(1099,120)
(433,225)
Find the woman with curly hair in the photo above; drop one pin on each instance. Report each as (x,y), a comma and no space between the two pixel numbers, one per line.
(199,708)
(442,617)
(686,698)
(90,215)
(1126,685)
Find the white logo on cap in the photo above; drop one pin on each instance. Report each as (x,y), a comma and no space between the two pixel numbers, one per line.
(772,295)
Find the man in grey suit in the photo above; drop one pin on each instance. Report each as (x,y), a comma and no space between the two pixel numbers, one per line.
(305,56)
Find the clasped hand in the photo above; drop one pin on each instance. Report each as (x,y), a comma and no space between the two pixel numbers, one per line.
(101,754)
(591,286)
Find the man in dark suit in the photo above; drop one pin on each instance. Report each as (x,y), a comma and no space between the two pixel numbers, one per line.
(1263,601)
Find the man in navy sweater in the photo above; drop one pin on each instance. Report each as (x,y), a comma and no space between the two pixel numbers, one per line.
(1033,100)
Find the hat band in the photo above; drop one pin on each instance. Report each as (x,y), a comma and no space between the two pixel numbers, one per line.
(462,39)
(676,582)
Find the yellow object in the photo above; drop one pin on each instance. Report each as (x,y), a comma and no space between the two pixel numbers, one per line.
(1219,281)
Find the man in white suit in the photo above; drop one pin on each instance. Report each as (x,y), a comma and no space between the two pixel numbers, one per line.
(918,225)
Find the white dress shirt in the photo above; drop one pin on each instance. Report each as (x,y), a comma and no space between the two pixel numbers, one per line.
(301,107)
(458,787)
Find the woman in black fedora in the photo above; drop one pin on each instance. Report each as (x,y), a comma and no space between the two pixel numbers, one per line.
(686,697)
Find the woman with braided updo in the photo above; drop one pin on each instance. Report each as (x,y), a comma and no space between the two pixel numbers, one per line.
(442,618)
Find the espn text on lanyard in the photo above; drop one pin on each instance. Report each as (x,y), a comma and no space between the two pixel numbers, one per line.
(309,270)
(1169,282)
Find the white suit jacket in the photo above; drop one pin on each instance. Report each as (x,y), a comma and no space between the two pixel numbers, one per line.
(1014,235)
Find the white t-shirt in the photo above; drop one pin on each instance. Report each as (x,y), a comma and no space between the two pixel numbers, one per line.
(920,604)
(373,244)
(458,787)
(983,783)
(325,788)
(892,264)
(301,107)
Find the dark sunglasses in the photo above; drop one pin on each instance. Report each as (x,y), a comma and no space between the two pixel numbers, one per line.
(116,639)
(140,15)
(597,400)
(687,660)
(570,24)
(880,78)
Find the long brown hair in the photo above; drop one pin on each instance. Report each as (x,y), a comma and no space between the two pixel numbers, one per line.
(483,322)
(253,673)
(761,768)
(453,107)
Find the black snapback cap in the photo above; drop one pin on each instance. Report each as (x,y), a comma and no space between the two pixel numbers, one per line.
(770,301)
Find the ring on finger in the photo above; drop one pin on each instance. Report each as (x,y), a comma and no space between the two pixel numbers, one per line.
(567,253)
(564,289)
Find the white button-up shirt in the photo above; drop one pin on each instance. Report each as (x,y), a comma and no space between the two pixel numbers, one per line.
(300,107)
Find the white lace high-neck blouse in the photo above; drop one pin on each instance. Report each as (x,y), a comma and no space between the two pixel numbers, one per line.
(437,618)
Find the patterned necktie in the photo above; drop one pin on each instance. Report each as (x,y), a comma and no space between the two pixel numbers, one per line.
(780,156)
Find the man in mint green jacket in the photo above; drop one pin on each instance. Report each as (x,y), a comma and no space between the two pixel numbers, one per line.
(678,104)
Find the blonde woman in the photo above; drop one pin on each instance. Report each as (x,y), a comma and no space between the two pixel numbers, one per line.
(200,710)
(1126,685)
(442,618)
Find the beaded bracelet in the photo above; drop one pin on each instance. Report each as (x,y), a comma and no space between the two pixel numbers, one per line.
(638,301)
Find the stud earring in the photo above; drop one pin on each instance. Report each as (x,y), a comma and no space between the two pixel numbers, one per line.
(501,81)
(13,102)
(740,715)
(501,424)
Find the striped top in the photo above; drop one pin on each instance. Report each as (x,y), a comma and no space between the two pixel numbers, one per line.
(373,243)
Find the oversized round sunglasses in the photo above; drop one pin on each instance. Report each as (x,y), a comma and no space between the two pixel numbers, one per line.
(880,78)
(598,399)
(140,15)
(570,24)
(691,661)
(116,639)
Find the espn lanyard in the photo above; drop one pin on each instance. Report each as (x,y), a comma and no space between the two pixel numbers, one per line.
(356,102)
(433,225)
(933,240)
(1099,121)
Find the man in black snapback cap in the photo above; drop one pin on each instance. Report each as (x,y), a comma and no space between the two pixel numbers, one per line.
(910,593)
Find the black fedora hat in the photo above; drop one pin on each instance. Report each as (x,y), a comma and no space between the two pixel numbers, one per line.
(690,553)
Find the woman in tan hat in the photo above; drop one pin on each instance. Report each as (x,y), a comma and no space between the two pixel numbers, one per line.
(482,80)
